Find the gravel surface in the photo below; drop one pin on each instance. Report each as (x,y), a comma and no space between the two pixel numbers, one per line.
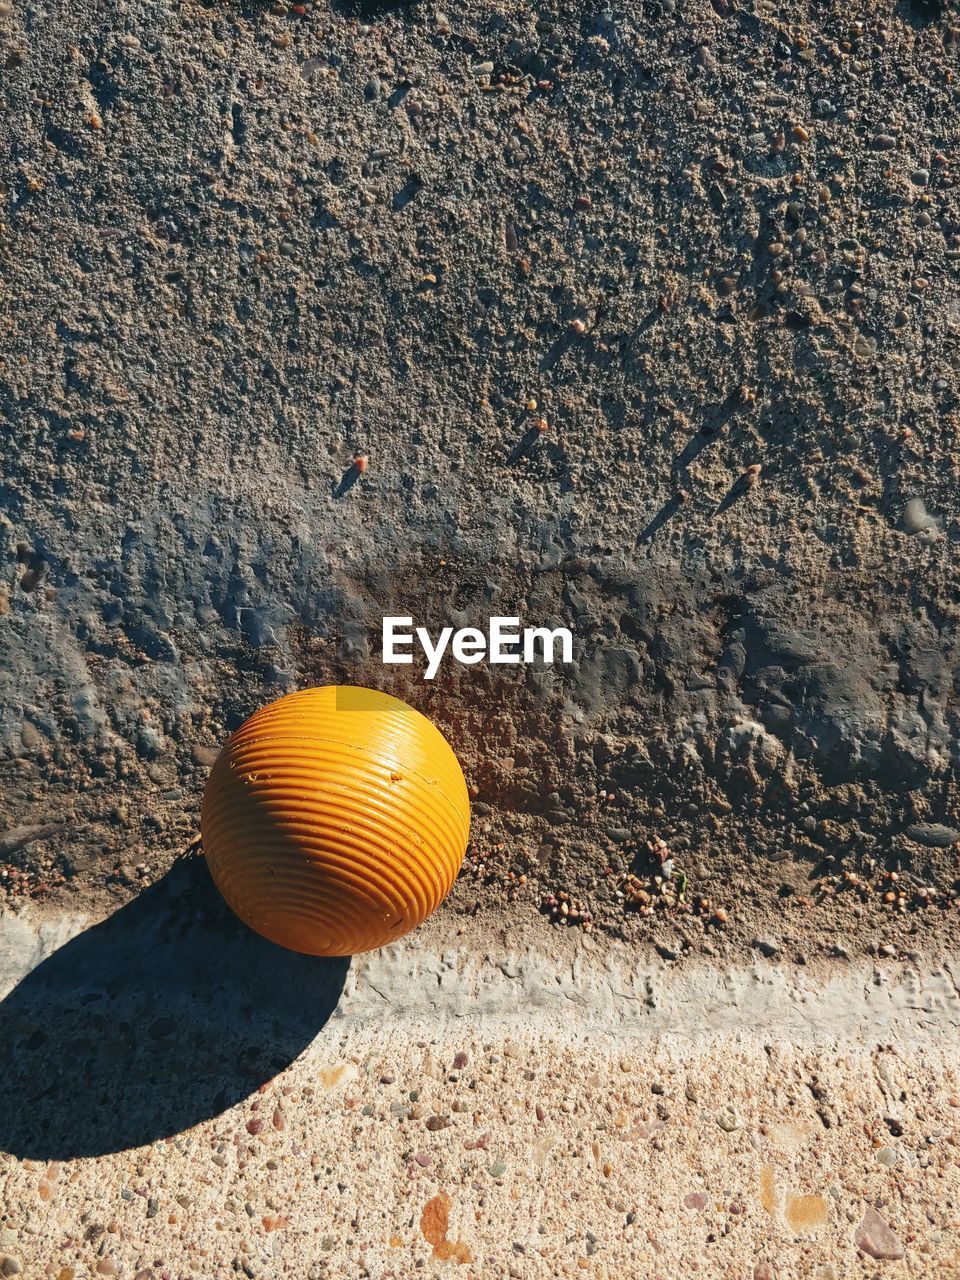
(180,1099)
(376,1156)
(643,320)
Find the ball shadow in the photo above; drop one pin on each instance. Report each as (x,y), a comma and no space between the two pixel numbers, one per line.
(163,1015)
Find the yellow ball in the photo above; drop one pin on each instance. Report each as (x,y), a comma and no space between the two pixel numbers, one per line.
(335,820)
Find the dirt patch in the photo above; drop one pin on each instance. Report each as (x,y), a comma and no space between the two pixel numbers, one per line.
(640,321)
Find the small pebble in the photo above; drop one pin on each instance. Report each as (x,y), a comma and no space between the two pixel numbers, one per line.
(933,834)
(728,1119)
(767,946)
(875,1238)
(865,347)
(916,518)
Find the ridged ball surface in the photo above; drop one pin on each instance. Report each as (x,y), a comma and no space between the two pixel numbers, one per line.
(335,820)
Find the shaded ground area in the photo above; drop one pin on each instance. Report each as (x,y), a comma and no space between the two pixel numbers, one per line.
(163,1015)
